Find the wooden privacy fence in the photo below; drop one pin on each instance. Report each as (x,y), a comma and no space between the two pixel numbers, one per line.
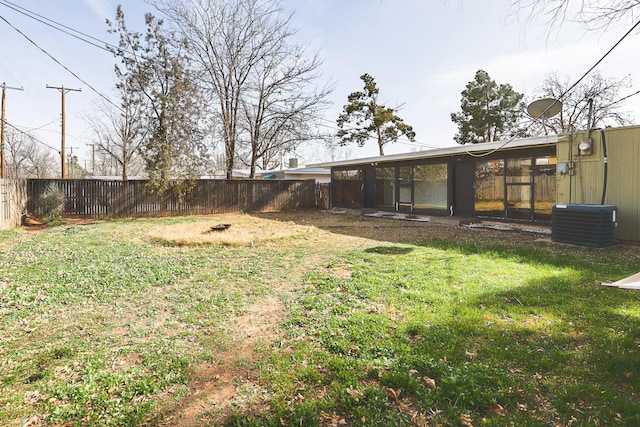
(13,202)
(323,195)
(127,199)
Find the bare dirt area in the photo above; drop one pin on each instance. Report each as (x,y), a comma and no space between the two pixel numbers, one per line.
(214,389)
(399,230)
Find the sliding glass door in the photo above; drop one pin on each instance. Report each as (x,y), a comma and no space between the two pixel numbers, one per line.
(519,183)
(520,189)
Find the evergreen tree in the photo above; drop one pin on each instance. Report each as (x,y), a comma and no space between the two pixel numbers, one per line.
(364,118)
(153,76)
(490,111)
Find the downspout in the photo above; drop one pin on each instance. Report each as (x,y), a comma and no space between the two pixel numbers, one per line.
(606,165)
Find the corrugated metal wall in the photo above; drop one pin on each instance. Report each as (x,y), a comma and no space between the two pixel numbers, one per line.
(585,181)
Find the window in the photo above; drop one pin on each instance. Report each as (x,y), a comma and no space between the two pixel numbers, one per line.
(404,187)
(386,186)
(489,188)
(544,183)
(347,188)
(519,182)
(518,188)
(430,186)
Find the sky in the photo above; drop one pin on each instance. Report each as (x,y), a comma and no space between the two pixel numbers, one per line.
(421,54)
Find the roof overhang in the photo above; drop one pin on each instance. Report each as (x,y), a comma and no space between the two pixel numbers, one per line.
(484,148)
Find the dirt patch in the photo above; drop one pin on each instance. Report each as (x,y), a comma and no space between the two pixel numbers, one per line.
(34,225)
(214,389)
(389,229)
(226,229)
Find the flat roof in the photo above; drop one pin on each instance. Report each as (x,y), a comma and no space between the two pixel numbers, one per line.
(469,149)
(308,171)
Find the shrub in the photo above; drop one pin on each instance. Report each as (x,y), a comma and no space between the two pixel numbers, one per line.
(51,203)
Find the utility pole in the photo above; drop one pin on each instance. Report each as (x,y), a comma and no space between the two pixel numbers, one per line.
(71,163)
(2,159)
(63,90)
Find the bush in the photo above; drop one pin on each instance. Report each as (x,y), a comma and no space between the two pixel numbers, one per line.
(51,204)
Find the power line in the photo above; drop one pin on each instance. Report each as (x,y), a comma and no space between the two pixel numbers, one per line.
(32,137)
(2,157)
(406,142)
(601,59)
(60,27)
(41,127)
(623,99)
(62,65)
(568,90)
(63,90)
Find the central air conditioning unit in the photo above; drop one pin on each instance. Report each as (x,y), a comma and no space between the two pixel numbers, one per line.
(587,225)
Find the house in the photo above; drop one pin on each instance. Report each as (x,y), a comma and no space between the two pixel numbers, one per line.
(516,180)
(602,167)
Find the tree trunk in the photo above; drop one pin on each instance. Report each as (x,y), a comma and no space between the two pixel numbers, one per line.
(125,171)
(380,142)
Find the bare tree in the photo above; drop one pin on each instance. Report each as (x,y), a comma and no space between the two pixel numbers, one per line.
(26,158)
(256,78)
(119,134)
(280,111)
(593,14)
(596,95)
(103,164)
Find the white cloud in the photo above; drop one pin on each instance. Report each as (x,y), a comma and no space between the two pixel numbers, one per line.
(100,8)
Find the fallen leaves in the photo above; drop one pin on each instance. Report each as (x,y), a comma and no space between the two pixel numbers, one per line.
(332,420)
(355,394)
(32,397)
(497,409)
(32,421)
(466,421)
(429,382)
(419,419)
(393,394)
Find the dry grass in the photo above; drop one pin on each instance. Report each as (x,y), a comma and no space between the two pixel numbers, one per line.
(244,230)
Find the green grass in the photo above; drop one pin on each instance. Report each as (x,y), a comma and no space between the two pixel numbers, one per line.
(522,328)
(102,325)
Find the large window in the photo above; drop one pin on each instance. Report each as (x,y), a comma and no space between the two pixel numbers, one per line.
(405,185)
(347,188)
(489,188)
(413,187)
(430,186)
(519,188)
(544,181)
(386,187)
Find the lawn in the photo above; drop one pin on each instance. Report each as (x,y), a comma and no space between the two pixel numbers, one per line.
(312,318)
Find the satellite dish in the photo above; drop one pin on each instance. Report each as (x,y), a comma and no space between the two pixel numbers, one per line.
(543,109)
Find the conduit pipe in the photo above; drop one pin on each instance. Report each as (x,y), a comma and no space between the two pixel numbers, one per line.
(606,165)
